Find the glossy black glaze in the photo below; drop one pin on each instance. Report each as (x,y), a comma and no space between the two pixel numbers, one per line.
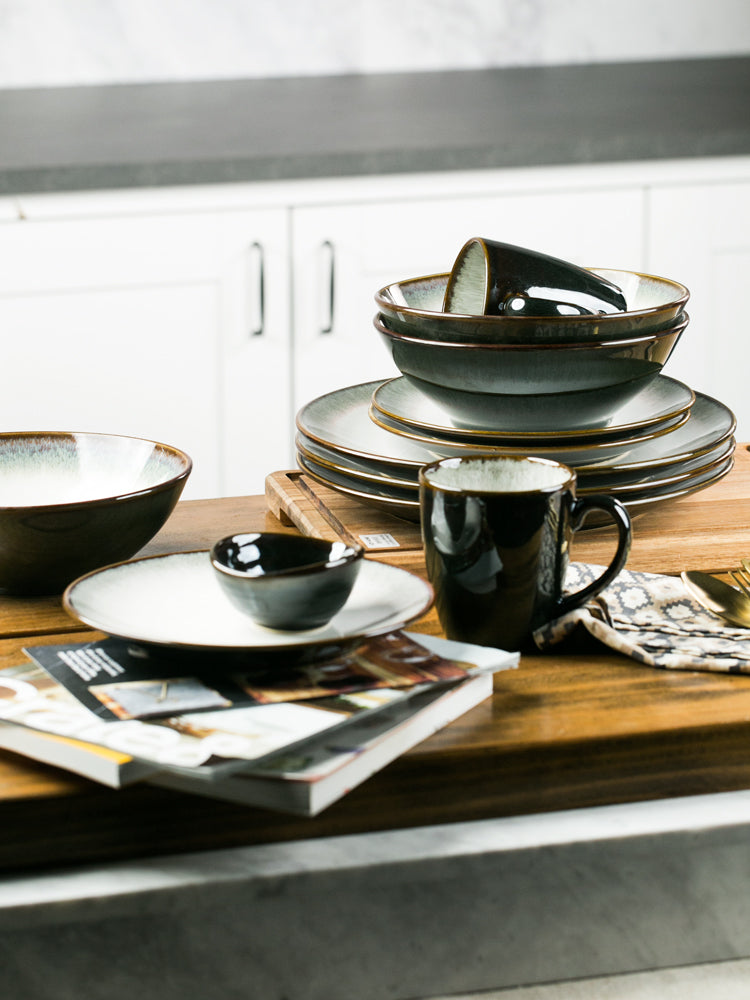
(529,305)
(497,560)
(488,275)
(284,581)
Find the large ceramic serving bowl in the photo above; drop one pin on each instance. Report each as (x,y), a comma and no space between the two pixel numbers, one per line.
(72,502)
(414,307)
(477,383)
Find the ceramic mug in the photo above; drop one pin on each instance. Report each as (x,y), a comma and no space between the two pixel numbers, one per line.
(491,278)
(497,531)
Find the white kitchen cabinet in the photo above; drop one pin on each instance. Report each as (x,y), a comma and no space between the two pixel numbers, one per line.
(171,326)
(342,254)
(207,316)
(700,234)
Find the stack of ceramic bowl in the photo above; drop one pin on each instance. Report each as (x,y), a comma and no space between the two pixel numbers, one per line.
(585,389)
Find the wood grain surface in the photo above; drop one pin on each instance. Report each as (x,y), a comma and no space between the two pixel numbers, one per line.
(578,727)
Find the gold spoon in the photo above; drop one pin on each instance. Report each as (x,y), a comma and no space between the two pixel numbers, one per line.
(718,597)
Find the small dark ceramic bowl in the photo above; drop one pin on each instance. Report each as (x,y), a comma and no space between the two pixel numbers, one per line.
(73,502)
(415,307)
(287,582)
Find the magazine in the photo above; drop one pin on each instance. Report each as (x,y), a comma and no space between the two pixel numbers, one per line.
(108,767)
(117,682)
(307,780)
(301,781)
(214,742)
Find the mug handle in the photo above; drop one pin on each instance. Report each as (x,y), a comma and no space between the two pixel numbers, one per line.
(609,505)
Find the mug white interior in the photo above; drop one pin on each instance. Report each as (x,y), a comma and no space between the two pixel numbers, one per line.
(497,474)
(467,288)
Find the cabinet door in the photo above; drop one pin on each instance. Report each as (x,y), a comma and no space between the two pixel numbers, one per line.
(172,327)
(700,235)
(344,253)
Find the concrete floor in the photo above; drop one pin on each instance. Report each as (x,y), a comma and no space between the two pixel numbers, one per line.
(722,980)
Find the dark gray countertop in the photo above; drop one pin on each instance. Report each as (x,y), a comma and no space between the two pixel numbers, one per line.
(81,138)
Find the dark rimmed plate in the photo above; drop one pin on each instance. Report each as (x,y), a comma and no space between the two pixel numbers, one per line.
(339,424)
(404,503)
(318,454)
(644,477)
(607,480)
(398,406)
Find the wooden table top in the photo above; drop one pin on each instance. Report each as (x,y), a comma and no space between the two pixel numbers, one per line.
(567,729)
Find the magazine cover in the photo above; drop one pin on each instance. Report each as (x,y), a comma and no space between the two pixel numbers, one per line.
(115,681)
(220,737)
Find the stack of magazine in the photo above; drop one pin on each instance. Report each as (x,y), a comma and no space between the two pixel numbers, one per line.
(294,740)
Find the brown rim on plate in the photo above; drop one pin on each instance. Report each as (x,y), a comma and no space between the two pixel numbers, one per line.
(403,490)
(165,585)
(403,406)
(394,426)
(341,423)
(638,501)
(365,474)
(636,478)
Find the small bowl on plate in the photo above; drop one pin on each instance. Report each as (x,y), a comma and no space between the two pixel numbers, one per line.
(286,582)
(73,502)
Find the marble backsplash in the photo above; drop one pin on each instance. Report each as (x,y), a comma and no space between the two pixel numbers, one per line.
(78,42)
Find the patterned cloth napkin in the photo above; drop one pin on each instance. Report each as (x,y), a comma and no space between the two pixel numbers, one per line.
(654,620)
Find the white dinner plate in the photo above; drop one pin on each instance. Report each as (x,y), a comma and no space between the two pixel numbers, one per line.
(174,603)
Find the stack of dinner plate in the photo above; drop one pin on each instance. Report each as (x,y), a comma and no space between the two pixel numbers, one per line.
(368,442)
(586,389)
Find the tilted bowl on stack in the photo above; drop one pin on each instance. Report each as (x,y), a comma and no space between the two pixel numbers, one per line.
(415,307)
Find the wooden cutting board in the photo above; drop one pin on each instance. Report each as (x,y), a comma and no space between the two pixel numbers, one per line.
(297,499)
(707,530)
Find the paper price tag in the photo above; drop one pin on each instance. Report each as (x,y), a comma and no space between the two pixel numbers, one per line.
(380,541)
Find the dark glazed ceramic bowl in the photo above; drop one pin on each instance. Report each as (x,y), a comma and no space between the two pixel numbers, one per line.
(530,370)
(286,582)
(72,502)
(414,307)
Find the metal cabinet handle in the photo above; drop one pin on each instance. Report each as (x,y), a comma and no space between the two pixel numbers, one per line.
(328,286)
(256,299)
